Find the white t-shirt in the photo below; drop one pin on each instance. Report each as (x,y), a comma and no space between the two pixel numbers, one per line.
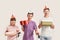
(46,31)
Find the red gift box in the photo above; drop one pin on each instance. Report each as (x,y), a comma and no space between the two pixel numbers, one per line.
(22,22)
(25,22)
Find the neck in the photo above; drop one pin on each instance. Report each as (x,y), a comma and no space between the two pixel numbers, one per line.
(12,25)
(46,16)
(29,19)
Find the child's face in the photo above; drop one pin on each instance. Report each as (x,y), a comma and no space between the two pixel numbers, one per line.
(30,16)
(12,23)
(46,12)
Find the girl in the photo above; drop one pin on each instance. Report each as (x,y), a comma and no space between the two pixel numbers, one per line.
(12,30)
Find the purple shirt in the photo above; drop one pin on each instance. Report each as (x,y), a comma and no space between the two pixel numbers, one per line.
(28,30)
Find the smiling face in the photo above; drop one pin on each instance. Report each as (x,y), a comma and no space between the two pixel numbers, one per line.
(12,23)
(46,12)
(30,16)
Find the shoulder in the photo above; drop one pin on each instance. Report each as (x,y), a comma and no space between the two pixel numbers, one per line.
(16,26)
(8,26)
(42,18)
(33,22)
(50,18)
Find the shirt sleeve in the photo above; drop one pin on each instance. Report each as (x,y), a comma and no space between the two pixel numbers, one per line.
(35,26)
(40,20)
(6,29)
(53,21)
(18,30)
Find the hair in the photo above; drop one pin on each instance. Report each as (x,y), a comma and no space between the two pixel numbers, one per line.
(30,13)
(46,9)
(13,19)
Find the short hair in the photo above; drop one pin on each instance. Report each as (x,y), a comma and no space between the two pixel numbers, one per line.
(30,13)
(46,9)
(13,19)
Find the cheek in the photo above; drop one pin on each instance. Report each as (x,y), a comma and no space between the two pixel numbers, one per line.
(30,17)
(13,22)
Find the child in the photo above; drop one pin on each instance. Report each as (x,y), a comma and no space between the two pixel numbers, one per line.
(28,27)
(12,30)
(46,24)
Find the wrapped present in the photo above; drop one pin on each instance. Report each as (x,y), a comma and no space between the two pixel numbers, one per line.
(25,22)
(22,22)
(46,23)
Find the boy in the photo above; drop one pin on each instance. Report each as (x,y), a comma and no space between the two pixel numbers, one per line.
(29,28)
(12,30)
(46,24)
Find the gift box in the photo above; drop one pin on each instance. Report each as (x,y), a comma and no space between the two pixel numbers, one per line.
(22,22)
(25,22)
(46,23)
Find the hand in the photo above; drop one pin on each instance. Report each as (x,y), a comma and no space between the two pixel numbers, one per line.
(40,25)
(37,33)
(38,36)
(19,34)
(52,26)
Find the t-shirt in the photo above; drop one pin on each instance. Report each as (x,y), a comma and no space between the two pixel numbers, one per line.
(12,29)
(46,30)
(28,30)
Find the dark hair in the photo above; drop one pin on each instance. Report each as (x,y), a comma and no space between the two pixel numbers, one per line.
(13,19)
(46,9)
(30,13)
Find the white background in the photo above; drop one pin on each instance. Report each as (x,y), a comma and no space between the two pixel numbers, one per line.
(21,7)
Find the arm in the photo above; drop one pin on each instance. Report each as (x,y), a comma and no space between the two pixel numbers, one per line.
(52,26)
(36,31)
(35,28)
(6,32)
(10,34)
(40,25)
(18,32)
(23,28)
